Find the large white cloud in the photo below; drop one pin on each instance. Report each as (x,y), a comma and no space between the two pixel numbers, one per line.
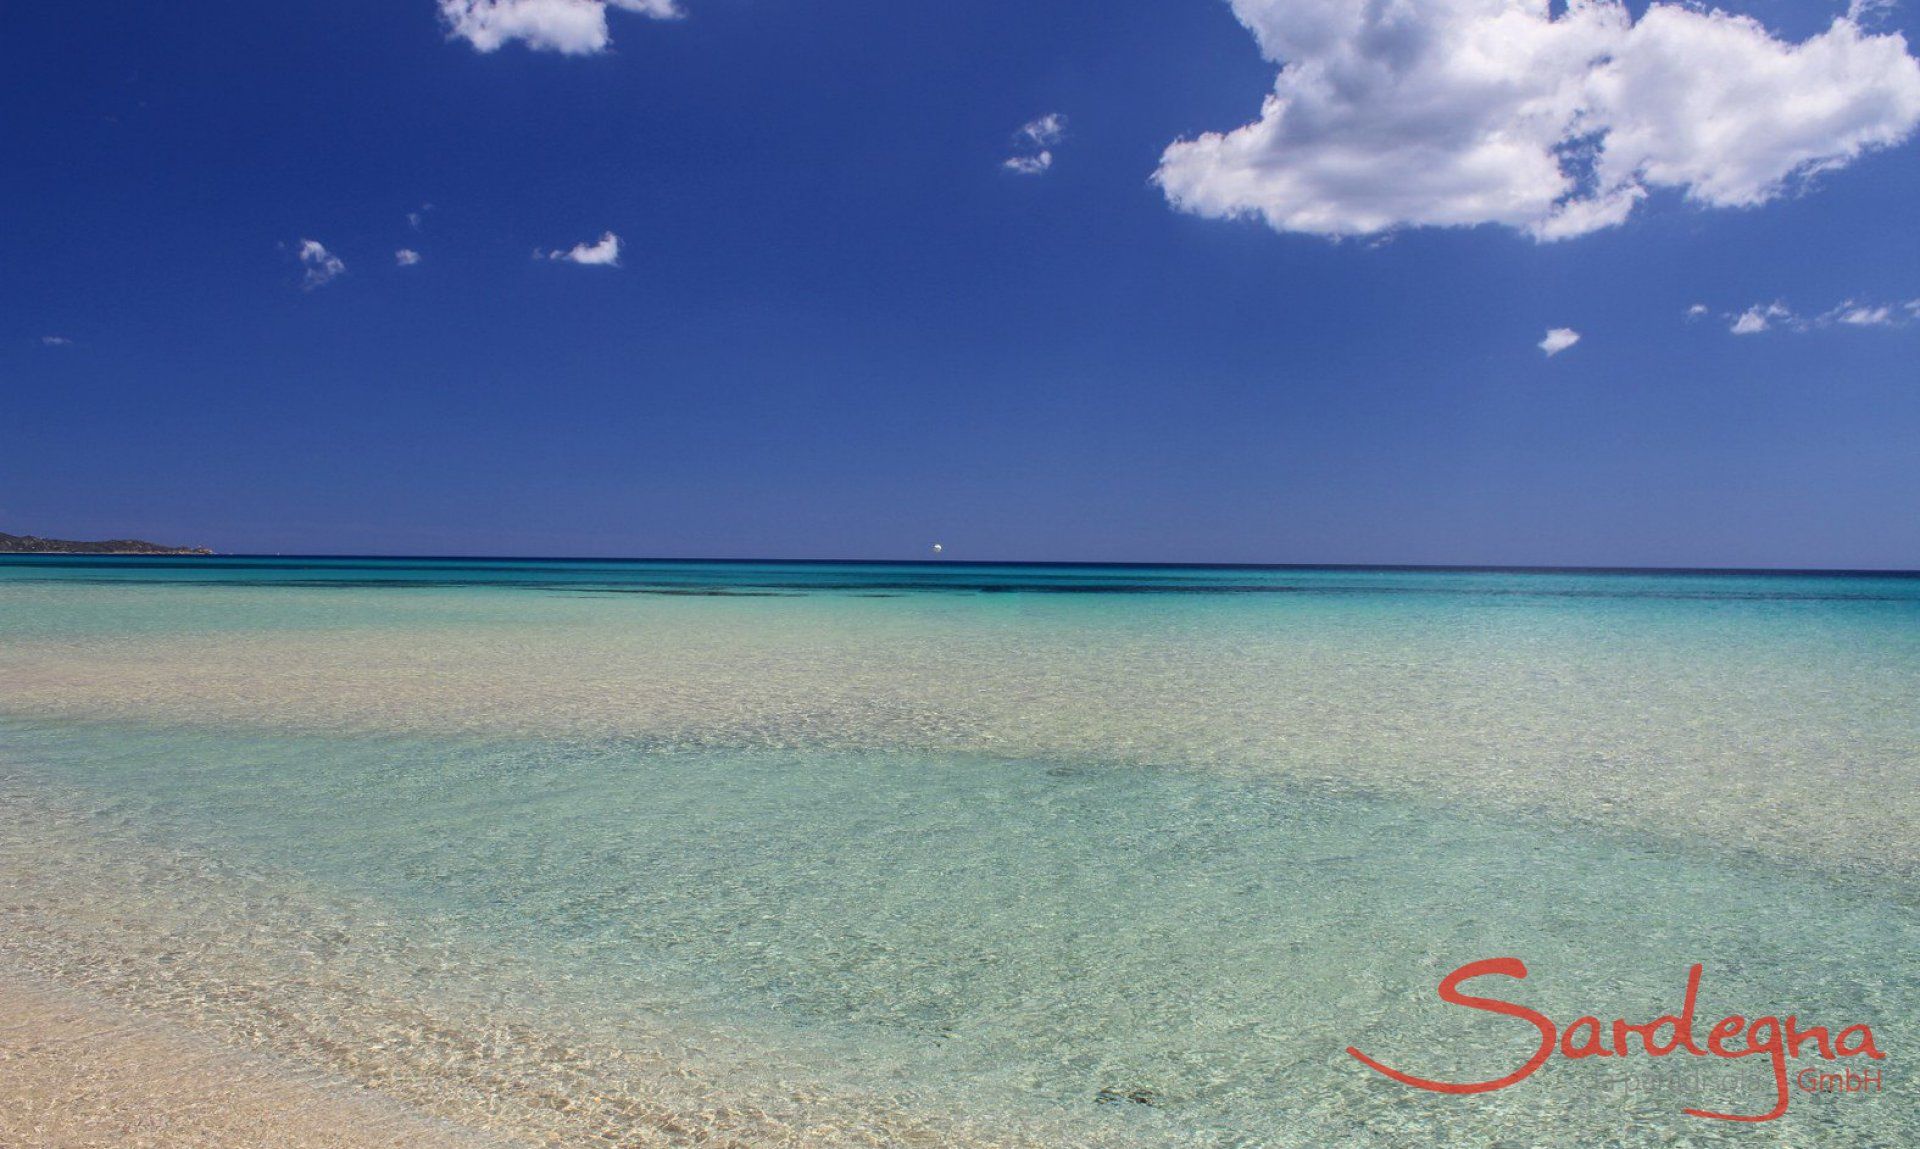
(1411,113)
(574,27)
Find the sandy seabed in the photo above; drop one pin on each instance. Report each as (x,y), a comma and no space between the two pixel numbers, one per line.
(76,1072)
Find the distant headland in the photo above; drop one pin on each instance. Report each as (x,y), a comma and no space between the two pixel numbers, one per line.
(34,545)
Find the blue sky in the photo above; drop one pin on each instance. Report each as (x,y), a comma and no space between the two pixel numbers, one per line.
(841,326)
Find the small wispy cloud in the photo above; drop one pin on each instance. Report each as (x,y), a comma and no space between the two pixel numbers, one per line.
(605,252)
(1867,11)
(323,267)
(415,219)
(1861,315)
(1034,143)
(1698,311)
(406,257)
(1777,316)
(1759,318)
(1558,339)
(55,341)
(1046,131)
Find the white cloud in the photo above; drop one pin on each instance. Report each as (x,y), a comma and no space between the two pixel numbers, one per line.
(1760,317)
(1697,311)
(1452,113)
(571,27)
(1861,315)
(406,257)
(1865,11)
(603,253)
(1044,132)
(1559,339)
(1035,139)
(323,267)
(55,341)
(1847,313)
(415,219)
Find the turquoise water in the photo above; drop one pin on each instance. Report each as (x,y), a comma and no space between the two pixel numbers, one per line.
(870,854)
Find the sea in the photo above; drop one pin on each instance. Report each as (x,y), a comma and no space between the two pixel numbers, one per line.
(754,853)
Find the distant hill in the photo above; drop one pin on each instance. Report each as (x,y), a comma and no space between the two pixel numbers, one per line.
(34,545)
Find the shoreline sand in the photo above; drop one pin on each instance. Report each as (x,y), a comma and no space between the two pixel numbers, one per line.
(78,1072)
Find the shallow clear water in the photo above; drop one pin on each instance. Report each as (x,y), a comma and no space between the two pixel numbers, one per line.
(884,855)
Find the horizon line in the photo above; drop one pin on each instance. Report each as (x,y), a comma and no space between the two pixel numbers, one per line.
(1491,568)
